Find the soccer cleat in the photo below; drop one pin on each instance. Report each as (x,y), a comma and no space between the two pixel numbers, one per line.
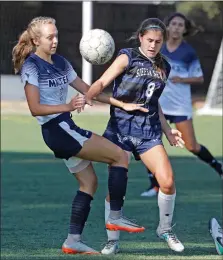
(171,239)
(123,224)
(216,233)
(78,247)
(110,248)
(151,192)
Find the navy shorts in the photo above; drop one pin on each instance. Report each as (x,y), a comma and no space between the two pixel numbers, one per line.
(176,119)
(133,144)
(65,138)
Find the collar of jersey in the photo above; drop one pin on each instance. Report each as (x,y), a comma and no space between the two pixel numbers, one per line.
(52,64)
(140,50)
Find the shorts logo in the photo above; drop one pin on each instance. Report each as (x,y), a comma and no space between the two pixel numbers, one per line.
(132,139)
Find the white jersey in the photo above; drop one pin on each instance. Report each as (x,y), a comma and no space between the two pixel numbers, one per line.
(52,80)
(176,97)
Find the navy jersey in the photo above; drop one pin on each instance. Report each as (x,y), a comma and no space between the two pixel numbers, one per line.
(52,80)
(139,83)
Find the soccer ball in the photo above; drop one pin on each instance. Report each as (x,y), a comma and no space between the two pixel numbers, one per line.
(97,46)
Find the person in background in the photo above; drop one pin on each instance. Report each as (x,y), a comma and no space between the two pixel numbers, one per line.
(175,100)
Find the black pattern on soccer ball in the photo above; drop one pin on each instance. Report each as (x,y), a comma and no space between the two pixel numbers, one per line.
(97,46)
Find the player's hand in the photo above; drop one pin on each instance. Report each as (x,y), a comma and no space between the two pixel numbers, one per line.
(133,107)
(175,138)
(88,101)
(176,80)
(77,103)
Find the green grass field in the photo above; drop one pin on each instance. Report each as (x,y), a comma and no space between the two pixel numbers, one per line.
(37,192)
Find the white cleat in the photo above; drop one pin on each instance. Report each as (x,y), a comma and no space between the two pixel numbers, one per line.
(216,233)
(150,192)
(111,248)
(123,224)
(78,247)
(171,239)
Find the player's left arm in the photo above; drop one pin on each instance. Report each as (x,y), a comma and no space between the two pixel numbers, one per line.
(195,74)
(173,135)
(190,80)
(164,124)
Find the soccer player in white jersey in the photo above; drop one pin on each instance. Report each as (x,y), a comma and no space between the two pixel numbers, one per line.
(46,77)
(176,97)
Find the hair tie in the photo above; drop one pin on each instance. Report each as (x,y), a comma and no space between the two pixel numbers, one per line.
(152,26)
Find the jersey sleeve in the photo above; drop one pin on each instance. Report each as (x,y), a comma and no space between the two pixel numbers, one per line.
(71,74)
(195,69)
(128,53)
(30,74)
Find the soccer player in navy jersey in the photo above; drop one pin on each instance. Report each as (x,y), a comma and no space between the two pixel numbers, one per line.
(139,76)
(175,100)
(46,77)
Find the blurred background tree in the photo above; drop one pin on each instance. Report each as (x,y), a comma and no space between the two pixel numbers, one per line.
(212,9)
(206,13)
(116,18)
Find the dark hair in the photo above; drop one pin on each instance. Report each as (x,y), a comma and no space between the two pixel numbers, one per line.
(191,28)
(145,26)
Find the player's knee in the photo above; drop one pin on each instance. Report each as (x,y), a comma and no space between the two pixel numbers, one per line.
(167,185)
(120,158)
(193,147)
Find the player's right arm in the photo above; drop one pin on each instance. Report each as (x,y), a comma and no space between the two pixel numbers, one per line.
(112,72)
(116,68)
(37,109)
(83,88)
(30,77)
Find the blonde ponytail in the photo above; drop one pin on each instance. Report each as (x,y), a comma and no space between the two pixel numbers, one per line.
(22,49)
(25,45)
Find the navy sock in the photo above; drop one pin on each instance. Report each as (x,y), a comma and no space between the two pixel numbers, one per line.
(153,180)
(80,211)
(205,155)
(117,184)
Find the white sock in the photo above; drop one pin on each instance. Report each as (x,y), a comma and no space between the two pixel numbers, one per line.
(166,205)
(112,235)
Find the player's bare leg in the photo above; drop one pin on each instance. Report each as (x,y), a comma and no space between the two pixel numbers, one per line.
(187,130)
(157,160)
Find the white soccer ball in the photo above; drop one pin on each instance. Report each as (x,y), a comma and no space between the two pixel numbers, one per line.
(97,46)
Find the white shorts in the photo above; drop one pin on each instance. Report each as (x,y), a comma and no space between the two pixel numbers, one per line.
(75,164)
